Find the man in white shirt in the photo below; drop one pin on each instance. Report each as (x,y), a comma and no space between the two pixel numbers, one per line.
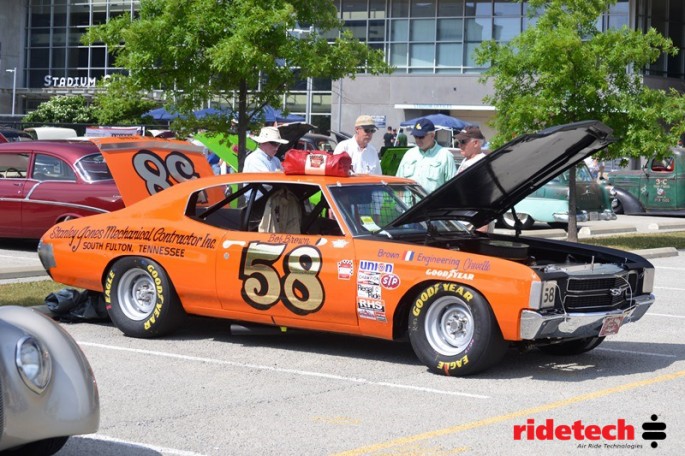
(470,141)
(364,155)
(263,159)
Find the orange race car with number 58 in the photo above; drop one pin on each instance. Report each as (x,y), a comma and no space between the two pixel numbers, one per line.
(366,255)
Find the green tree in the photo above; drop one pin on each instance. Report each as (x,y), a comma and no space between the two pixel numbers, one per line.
(62,109)
(201,50)
(563,69)
(119,102)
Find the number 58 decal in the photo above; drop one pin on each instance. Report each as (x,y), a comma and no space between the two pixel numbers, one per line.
(299,288)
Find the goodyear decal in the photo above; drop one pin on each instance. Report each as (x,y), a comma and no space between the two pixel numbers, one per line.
(160,297)
(449,274)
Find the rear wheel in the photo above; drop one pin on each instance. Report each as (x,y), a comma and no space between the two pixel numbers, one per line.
(140,298)
(573,347)
(617,206)
(453,330)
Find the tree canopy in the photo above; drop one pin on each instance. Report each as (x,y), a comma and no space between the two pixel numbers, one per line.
(63,109)
(563,69)
(195,51)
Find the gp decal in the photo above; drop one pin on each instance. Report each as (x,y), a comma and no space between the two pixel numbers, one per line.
(160,297)
(430,292)
(156,172)
(299,288)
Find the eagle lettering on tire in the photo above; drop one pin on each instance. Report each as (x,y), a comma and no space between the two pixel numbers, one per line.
(140,298)
(453,331)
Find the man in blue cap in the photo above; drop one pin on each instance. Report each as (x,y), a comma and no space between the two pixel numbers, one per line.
(428,163)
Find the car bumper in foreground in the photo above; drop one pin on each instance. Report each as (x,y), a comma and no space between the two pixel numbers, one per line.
(535,326)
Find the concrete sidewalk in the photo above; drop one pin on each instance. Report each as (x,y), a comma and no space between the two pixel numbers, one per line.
(26,265)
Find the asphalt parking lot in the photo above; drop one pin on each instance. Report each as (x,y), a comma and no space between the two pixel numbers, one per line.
(216,389)
(208,390)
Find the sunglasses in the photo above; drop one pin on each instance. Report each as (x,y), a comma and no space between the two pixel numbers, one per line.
(463,141)
(369,129)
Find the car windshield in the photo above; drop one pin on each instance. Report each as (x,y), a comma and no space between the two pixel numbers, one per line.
(368,209)
(93,168)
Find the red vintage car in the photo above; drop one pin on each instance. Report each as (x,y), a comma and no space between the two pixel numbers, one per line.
(46,182)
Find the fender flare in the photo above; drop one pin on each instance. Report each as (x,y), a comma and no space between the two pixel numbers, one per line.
(631,205)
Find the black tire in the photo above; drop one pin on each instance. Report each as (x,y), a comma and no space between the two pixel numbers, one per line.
(140,298)
(46,447)
(507,220)
(453,330)
(573,347)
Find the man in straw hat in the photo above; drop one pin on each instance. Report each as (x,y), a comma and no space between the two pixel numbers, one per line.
(364,155)
(263,159)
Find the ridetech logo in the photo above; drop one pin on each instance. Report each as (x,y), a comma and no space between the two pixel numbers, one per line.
(617,432)
(576,431)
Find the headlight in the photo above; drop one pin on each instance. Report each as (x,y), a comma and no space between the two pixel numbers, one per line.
(34,364)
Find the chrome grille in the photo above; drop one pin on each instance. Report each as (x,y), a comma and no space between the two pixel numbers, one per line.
(599,293)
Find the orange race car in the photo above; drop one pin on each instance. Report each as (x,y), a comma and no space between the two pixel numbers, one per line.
(368,255)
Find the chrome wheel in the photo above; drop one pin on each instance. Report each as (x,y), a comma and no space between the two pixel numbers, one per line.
(449,326)
(136,294)
(526,220)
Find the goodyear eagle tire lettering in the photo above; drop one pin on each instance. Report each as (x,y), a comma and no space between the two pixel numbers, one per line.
(453,331)
(140,298)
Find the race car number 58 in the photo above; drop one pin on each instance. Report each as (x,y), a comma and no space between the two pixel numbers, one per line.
(299,287)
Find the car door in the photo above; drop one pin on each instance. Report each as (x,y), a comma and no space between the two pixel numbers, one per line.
(302,276)
(13,171)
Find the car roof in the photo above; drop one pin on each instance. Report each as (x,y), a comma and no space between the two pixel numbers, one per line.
(494,184)
(72,150)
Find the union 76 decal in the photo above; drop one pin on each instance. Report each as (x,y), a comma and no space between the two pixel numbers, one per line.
(299,287)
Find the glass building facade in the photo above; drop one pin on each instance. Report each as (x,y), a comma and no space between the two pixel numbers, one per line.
(419,38)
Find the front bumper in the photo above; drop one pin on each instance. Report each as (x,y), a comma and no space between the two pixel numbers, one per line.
(535,326)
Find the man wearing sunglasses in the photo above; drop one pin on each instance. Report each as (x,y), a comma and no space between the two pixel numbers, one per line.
(364,155)
(263,159)
(470,142)
(428,163)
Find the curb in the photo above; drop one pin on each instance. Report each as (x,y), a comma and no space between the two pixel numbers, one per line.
(661,252)
(22,272)
(589,231)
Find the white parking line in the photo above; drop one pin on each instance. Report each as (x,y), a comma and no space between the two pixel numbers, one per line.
(633,352)
(127,443)
(670,288)
(651,314)
(287,371)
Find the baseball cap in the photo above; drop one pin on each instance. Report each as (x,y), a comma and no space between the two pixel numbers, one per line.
(422,127)
(470,132)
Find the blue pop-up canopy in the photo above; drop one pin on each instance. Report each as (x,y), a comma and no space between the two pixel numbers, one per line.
(439,120)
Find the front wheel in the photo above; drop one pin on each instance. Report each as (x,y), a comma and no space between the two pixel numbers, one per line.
(617,206)
(573,347)
(140,298)
(453,330)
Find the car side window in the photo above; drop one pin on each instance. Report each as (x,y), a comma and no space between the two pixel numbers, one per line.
(47,167)
(663,165)
(245,207)
(13,165)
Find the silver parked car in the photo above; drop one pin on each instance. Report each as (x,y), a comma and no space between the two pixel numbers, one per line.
(47,388)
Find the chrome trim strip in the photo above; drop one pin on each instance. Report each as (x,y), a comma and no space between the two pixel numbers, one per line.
(55,203)
(115,147)
(534,326)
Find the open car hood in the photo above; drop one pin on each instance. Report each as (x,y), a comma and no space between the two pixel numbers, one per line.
(493,185)
(292,132)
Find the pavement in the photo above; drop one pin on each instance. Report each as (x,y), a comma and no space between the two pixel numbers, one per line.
(22,264)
